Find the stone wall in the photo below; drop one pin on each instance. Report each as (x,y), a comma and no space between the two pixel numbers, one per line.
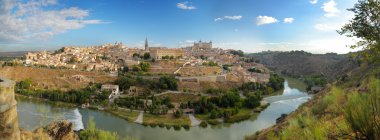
(8,114)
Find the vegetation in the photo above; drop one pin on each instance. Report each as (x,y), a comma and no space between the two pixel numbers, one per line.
(164,83)
(142,67)
(315,80)
(210,64)
(76,96)
(238,53)
(365,26)
(93,133)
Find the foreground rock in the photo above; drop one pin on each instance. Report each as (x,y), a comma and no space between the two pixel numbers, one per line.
(9,130)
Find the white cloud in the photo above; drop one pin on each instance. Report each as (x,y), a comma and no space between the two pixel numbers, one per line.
(229,18)
(330,8)
(326,27)
(218,19)
(261,20)
(313,1)
(34,20)
(288,20)
(185,6)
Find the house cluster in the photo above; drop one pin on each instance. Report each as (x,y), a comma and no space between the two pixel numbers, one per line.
(113,57)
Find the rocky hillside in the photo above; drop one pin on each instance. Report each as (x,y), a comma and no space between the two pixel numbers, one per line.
(300,63)
(348,109)
(62,130)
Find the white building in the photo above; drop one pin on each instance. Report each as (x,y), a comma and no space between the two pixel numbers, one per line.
(113,88)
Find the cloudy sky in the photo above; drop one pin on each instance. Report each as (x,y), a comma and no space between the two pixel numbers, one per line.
(249,25)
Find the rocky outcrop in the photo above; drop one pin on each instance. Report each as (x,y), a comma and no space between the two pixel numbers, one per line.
(8,114)
(9,130)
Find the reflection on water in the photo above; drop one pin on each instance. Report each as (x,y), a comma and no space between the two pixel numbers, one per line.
(285,103)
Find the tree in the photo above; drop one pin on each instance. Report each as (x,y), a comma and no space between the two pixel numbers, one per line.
(136,55)
(125,69)
(238,53)
(145,66)
(146,56)
(365,26)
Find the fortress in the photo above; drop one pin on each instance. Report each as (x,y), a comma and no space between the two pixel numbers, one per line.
(8,114)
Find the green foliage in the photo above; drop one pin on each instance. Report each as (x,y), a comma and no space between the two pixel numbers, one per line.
(276,82)
(203,124)
(315,80)
(252,101)
(145,66)
(146,56)
(178,113)
(238,53)
(77,96)
(210,64)
(92,133)
(365,26)
(164,83)
(363,111)
(253,69)
(168,82)
(24,84)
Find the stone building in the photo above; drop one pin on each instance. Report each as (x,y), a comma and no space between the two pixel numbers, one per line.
(159,52)
(8,114)
(202,45)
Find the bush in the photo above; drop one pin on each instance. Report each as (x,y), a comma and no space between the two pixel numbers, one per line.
(177,127)
(362,112)
(203,124)
(92,133)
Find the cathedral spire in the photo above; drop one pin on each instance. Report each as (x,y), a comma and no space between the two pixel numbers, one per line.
(146,44)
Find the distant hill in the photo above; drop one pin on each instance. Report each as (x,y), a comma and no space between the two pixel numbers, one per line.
(301,63)
(13,54)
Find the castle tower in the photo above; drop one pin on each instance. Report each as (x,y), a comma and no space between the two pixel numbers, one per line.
(146,44)
(8,114)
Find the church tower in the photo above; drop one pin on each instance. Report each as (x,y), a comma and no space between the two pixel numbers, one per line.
(146,44)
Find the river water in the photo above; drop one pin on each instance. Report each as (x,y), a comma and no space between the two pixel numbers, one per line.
(34,113)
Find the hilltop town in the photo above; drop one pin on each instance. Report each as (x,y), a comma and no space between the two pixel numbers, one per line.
(159,82)
(198,60)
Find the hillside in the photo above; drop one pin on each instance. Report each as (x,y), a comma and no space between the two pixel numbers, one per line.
(54,78)
(348,109)
(300,63)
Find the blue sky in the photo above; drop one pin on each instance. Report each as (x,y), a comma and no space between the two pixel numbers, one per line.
(249,25)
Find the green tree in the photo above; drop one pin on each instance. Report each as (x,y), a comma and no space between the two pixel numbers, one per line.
(145,66)
(365,26)
(146,56)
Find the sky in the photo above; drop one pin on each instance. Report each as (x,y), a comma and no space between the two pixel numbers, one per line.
(248,25)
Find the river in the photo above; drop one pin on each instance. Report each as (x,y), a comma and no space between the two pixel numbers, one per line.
(34,113)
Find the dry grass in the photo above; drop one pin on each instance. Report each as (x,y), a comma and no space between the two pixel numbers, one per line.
(54,78)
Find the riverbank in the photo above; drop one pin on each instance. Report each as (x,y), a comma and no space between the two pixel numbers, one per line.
(29,117)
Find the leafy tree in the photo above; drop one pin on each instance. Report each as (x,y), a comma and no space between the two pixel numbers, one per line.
(365,26)
(136,68)
(252,102)
(145,66)
(146,56)
(136,55)
(238,53)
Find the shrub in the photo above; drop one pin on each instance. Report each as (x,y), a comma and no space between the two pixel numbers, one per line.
(203,124)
